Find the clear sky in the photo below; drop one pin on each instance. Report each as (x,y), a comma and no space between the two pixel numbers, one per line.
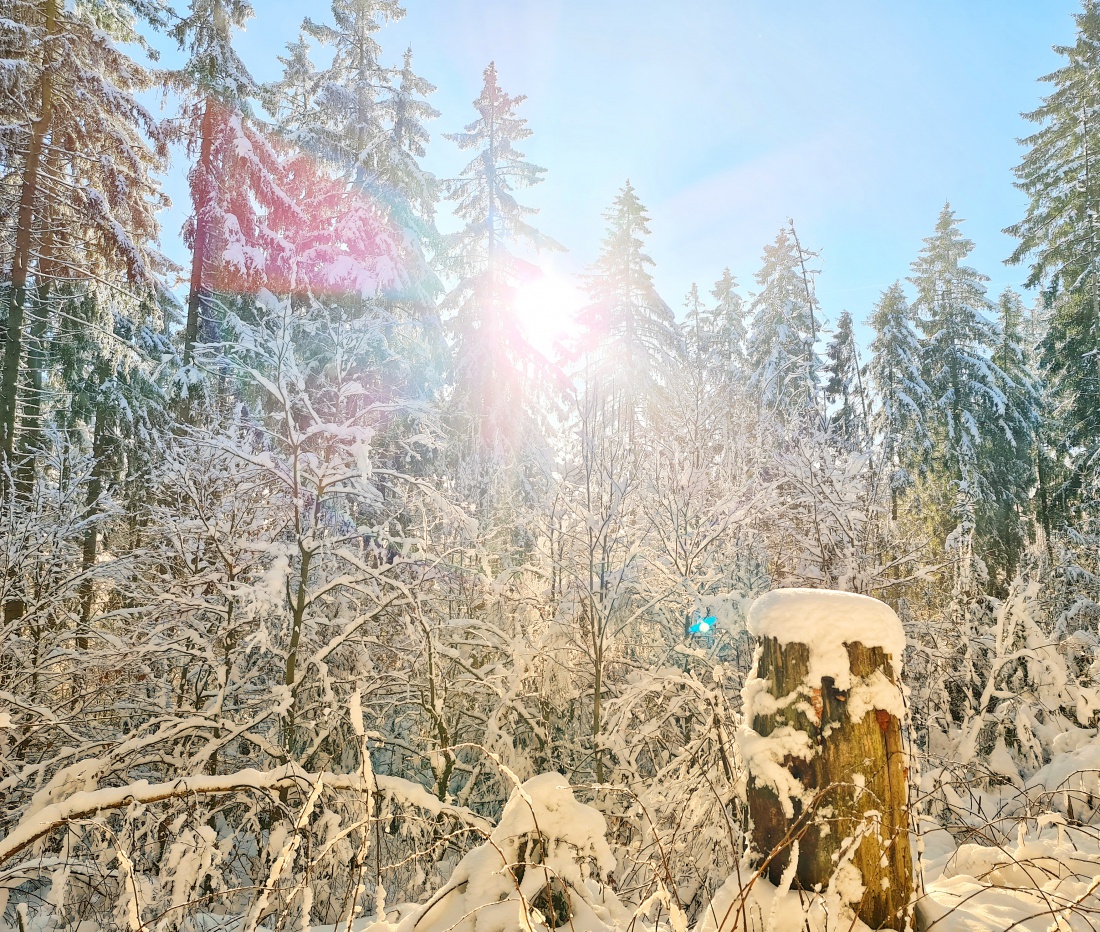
(858,118)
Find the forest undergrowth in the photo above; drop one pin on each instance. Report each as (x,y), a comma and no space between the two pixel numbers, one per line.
(330,601)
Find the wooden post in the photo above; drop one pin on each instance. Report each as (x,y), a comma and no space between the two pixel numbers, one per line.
(824,751)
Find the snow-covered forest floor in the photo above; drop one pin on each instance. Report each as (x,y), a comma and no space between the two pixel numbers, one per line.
(328,600)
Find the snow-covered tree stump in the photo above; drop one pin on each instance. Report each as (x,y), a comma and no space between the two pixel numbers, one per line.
(827,769)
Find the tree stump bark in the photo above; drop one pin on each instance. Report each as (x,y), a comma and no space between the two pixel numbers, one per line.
(847,804)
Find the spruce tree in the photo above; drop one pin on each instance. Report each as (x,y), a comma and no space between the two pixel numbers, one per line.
(959,338)
(1060,238)
(235,184)
(696,334)
(628,331)
(726,321)
(114,404)
(969,409)
(1013,356)
(292,100)
(407,103)
(1010,453)
(351,121)
(368,122)
(338,245)
(900,393)
(783,366)
(80,153)
(493,359)
(844,384)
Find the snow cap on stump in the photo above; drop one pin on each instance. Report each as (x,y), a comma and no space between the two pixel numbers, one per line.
(826,621)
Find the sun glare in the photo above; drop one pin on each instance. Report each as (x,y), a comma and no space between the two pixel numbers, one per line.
(546,307)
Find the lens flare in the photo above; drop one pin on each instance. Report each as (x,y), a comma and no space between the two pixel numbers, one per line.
(546,307)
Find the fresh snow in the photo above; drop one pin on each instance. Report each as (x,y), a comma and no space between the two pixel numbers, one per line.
(545,836)
(827,622)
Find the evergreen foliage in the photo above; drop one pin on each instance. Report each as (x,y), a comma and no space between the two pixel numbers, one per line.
(629,335)
(843,388)
(783,364)
(901,394)
(494,362)
(1060,238)
(235,184)
(1011,451)
(81,158)
(368,122)
(964,383)
(726,323)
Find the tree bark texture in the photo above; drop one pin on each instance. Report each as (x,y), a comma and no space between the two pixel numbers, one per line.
(23,253)
(855,806)
(198,296)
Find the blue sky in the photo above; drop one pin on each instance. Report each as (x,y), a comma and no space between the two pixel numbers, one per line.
(858,118)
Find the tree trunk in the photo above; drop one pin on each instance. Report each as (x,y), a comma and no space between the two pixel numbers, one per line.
(297,603)
(23,255)
(198,297)
(597,715)
(30,440)
(90,544)
(855,784)
(1044,500)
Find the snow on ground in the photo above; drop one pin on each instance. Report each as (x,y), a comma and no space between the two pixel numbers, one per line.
(1044,879)
(1020,856)
(746,903)
(1047,880)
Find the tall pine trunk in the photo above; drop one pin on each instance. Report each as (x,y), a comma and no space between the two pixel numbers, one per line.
(90,544)
(23,255)
(30,437)
(22,260)
(198,297)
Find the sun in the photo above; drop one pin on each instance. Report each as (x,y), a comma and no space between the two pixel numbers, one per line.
(546,307)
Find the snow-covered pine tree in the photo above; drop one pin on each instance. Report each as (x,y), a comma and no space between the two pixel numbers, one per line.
(117,410)
(292,99)
(407,103)
(1021,330)
(1010,452)
(724,364)
(419,191)
(844,385)
(695,334)
(367,208)
(1051,495)
(350,120)
(967,406)
(493,360)
(80,196)
(629,334)
(339,244)
(353,255)
(783,364)
(368,122)
(965,385)
(235,183)
(900,394)
(726,321)
(1060,238)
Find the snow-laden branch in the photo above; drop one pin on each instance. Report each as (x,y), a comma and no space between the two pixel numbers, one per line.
(38,823)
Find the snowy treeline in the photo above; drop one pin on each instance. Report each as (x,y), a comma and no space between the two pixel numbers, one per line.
(304,575)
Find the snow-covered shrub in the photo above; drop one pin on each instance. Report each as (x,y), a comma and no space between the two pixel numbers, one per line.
(546,865)
(279,845)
